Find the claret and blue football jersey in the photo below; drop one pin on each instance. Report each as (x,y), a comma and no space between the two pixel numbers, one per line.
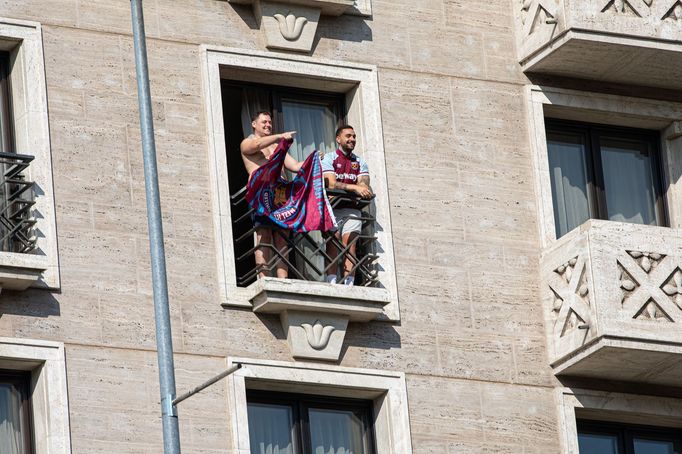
(346,168)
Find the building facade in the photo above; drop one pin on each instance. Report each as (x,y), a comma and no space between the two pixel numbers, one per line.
(519,289)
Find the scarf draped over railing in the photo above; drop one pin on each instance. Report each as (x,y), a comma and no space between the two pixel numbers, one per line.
(299,205)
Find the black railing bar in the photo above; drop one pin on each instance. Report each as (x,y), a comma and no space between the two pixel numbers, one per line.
(247,234)
(16,156)
(242,217)
(303,255)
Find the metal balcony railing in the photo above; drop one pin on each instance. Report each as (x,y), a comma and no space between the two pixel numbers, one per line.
(16,200)
(305,254)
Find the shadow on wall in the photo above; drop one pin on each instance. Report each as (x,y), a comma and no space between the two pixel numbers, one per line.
(29,303)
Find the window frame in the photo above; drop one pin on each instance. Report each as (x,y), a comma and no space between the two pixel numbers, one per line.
(592,133)
(626,433)
(301,405)
(22,381)
(544,102)
(359,84)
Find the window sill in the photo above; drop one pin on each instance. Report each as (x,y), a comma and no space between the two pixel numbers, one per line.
(315,315)
(20,271)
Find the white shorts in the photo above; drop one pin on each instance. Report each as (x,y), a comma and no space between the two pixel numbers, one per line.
(348,220)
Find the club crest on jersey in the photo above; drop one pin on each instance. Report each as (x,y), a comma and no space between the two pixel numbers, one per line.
(355,165)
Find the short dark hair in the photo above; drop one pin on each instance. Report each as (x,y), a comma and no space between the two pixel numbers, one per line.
(342,127)
(259,113)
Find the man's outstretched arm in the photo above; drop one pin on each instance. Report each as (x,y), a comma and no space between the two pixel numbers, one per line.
(255,144)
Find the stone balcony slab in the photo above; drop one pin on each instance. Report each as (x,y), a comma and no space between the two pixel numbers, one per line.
(315,315)
(20,271)
(613,302)
(632,42)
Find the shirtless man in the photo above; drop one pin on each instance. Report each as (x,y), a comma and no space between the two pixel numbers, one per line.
(256,150)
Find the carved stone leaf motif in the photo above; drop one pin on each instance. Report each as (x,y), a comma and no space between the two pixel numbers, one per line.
(646,260)
(317,334)
(583,289)
(675,12)
(625,7)
(628,284)
(566,270)
(573,321)
(558,302)
(673,287)
(290,26)
(652,311)
(537,13)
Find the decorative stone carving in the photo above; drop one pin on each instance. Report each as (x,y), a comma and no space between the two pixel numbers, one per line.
(314,336)
(292,24)
(566,270)
(573,322)
(637,8)
(652,311)
(628,284)
(535,14)
(315,316)
(646,260)
(673,287)
(675,12)
(318,334)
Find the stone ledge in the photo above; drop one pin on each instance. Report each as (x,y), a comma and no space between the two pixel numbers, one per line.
(315,315)
(359,304)
(20,271)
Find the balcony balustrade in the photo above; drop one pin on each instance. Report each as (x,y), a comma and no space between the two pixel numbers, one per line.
(634,42)
(613,302)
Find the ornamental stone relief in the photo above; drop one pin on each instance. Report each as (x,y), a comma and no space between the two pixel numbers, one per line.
(651,291)
(571,297)
(536,14)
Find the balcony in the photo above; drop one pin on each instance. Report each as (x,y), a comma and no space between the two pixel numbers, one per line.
(314,314)
(19,266)
(634,42)
(613,303)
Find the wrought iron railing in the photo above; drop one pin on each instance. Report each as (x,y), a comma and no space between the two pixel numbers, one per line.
(305,254)
(16,200)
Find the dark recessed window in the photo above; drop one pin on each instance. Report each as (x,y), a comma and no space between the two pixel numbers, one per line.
(314,115)
(15,413)
(603,172)
(612,438)
(302,424)
(5,115)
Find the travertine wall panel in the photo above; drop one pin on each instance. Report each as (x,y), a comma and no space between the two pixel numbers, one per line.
(462,205)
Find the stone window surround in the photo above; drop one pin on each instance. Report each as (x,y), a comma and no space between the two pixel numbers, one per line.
(612,407)
(23,41)
(386,389)
(360,84)
(49,401)
(606,109)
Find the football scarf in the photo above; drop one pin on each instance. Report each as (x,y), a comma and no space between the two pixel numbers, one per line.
(299,205)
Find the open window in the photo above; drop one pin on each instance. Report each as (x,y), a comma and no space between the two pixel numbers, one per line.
(312,96)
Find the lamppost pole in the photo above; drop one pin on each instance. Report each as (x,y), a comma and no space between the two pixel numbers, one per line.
(164,342)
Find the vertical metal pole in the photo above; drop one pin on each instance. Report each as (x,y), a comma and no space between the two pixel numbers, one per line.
(164,342)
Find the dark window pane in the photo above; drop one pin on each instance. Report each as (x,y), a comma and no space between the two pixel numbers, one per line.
(628,180)
(12,417)
(336,432)
(590,443)
(270,429)
(568,176)
(644,446)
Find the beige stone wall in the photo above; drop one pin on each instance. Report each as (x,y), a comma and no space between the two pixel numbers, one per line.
(471,338)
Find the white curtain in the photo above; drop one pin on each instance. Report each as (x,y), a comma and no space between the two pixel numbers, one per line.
(568,174)
(628,181)
(270,429)
(335,432)
(11,439)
